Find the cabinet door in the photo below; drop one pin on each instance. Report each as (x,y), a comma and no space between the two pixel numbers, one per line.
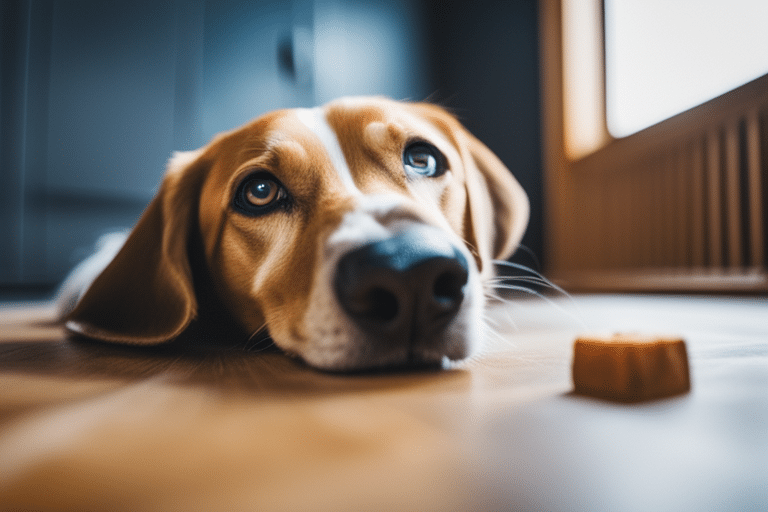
(256,58)
(96,95)
(110,121)
(25,48)
(111,96)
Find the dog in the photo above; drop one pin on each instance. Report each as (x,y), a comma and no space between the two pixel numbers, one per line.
(358,235)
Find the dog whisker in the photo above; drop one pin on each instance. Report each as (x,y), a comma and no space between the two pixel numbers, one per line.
(518,266)
(529,283)
(537,275)
(259,337)
(551,302)
(480,357)
(507,315)
(537,278)
(495,333)
(491,320)
(524,279)
(531,254)
(506,323)
(254,349)
(490,295)
(258,332)
(523,289)
(494,296)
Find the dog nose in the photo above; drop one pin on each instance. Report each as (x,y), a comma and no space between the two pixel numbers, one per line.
(409,285)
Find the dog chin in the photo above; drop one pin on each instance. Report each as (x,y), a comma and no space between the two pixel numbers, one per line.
(357,359)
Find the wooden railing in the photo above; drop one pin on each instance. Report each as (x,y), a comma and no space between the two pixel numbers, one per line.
(680,205)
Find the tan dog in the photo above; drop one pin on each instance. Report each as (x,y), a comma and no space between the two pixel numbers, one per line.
(357,235)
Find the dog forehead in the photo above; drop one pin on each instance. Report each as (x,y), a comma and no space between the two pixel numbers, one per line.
(354,130)
(315,120)
(377,121)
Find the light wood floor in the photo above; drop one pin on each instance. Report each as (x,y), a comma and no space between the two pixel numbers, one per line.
(98,427)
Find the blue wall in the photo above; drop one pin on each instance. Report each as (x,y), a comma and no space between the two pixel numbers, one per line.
(94,95)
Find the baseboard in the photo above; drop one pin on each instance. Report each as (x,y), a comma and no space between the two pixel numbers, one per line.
(664,280)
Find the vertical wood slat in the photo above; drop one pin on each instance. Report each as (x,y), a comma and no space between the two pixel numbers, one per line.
(662,224)
(596,235)
(628,255)
(756,233)
(714,203)
(655,190)
(590,214)
(659,227)
(670,209)
(615,216)
(698,222)
(631,207)
(649,217)
(637,240)
(662,219)
(733,196)
(681,168)
(644,221)
(598,238)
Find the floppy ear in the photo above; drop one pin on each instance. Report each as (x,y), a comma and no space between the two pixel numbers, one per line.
(498,205)
(146,296)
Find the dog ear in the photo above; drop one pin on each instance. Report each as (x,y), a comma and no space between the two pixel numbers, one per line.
(498,205)
(145,295)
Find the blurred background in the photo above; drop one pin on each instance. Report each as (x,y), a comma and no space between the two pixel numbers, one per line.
(642,126)
(95,95)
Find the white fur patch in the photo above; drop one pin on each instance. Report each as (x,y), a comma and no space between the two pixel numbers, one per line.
(314,119)
(180,160)
(80,278)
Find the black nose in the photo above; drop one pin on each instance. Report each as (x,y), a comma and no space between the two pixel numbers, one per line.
(403,287)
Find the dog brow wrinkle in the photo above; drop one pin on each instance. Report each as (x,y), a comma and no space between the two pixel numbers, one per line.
(314,119)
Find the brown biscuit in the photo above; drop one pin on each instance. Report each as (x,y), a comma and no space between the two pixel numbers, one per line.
(630,368)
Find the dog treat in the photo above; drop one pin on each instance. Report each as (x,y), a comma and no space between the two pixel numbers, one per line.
(629,367)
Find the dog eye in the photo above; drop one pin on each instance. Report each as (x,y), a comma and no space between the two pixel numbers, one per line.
(259,194)
(424,159)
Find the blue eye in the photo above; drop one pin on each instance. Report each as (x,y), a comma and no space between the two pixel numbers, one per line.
(424,159)
(259,194)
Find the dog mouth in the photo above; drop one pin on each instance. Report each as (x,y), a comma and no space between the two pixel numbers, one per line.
(414,366)
(385,360)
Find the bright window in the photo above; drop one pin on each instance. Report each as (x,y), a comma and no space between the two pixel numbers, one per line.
(666,56)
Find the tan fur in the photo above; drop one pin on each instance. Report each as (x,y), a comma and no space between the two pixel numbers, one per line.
(264,270)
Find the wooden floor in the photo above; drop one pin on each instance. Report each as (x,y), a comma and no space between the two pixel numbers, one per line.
(97,427)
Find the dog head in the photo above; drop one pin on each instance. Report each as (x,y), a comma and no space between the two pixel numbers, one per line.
(358,235)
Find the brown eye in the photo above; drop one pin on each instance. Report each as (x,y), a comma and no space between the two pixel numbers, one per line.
(261,192)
